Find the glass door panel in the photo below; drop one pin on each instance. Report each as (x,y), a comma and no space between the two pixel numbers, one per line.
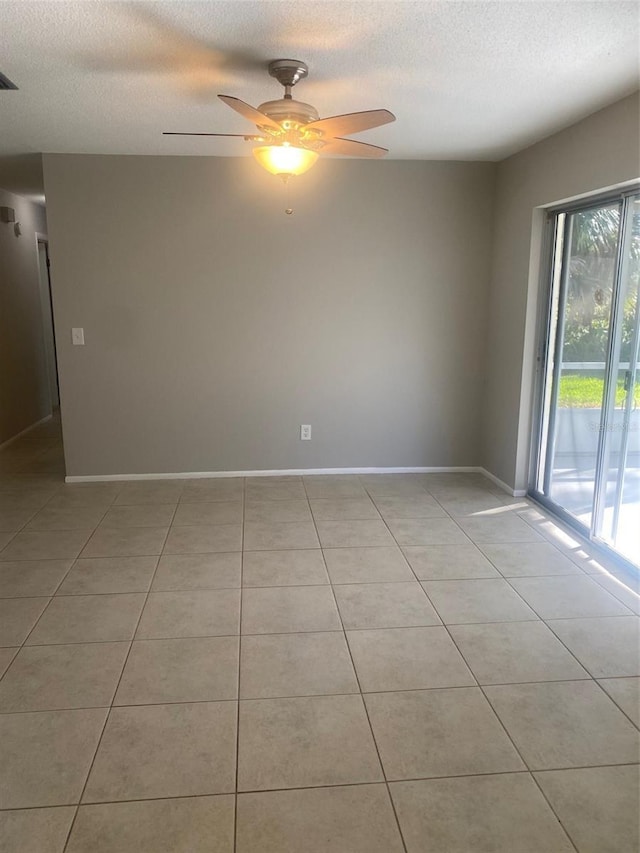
(585,286)
(618,508)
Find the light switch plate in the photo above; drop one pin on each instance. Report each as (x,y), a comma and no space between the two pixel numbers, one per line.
(77,337)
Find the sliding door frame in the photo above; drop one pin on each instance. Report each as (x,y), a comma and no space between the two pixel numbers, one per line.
(552,296)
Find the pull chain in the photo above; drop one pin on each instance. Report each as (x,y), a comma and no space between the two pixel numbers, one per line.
(287,193)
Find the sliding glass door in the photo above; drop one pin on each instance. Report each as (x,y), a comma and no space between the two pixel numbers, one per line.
(588,460)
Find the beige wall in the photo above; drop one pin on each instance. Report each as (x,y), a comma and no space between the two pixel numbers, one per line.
(598,152)
(215,324)
(24,389)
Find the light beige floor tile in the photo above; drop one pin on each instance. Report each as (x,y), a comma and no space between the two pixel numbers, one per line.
(354,534)
(598,806)
(354,819)
(508,652)
(530,558)
(501,527)
(344,509)
(453,483)
(204,539)
(280,610)
(185,825)
(17,618)
(35,830)
(411,506)
(57,518)
(140,515)
(607,647)
(190,613)
(334,487)
(213,512)
(275,536)
(274,488)
(425,733)
(270,512)
(392,485)
(565,724)
(6,656)
(150,492)
(468,601)
(85,494)
(426,531)
(125,542)
(187,670)
(5,538)
(472,503)
(303,664)
(625,692)
(291,743)
(284,568)
(407,659)
(625,591)
(384,605)
(567,597)
(367,565)
(50,545)
(109,575)
(46,756)
(13,519)
(49,678)
(197,571)
(165,751)
(29,578)
(271,480)
(35,499)
(567,541)
(216,489)
(477,813)
(88,619)
(448,562)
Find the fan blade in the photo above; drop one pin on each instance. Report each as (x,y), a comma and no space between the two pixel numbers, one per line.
(351,148)
(249,136)
(251,113)
(350,123)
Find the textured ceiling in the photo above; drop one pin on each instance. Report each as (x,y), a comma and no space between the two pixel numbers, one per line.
(466,80)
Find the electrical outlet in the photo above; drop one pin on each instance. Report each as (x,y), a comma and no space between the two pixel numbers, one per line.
(305,432)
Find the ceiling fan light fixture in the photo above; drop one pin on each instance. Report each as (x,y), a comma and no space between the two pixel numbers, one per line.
(285,160)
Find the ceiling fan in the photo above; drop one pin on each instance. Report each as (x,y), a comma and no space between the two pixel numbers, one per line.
(293,132)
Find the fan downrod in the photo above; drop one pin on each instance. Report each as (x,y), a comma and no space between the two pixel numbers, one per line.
(288,72)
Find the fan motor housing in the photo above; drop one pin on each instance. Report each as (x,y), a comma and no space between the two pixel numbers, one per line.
(288,109)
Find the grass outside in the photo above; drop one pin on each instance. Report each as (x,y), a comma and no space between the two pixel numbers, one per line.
(585,392)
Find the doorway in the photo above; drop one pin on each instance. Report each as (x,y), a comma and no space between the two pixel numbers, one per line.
(588,452)
(46,306)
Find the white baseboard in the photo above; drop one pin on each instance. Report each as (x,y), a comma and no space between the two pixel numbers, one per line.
(25,431)
(515,493)
(278,472)
(298,472)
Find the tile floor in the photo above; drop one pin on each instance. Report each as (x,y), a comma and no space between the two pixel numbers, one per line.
(344,664)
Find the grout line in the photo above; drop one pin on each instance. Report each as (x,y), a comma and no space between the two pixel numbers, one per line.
(604,678)
(235,793)
(358,692)
(106,720)
(531,772)
(322,787)
(272,633)
(364,704)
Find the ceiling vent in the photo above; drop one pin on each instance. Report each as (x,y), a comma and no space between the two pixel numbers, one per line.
(5,83)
